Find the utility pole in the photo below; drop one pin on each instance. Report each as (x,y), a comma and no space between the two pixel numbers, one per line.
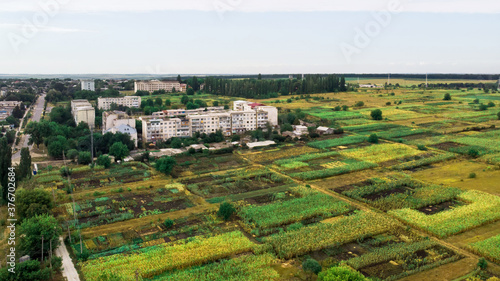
(74,204)
(42,247)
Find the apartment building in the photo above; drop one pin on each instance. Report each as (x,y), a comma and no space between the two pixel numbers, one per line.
(184,123)
(116,118)
(10,103)
(87,84)
(83,111)
(156,85)
(128,101)
(272,112)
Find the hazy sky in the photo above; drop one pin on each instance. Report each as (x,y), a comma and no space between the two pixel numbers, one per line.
(249,36)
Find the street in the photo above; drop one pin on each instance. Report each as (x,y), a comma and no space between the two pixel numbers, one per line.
(37,115)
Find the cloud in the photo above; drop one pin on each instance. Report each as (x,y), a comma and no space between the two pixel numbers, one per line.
(53,29)
(426,6)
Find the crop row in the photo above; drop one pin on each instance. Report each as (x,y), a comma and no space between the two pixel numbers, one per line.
(248,268)
(337,142)
(483,208)
(424,161)
(306,157)
(158,259)
(388,253)
(351,166)
(319,236)
(298,209)
(489,248)
(381,152)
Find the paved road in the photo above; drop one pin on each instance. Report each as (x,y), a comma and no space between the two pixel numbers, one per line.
(37,115)
(69,270)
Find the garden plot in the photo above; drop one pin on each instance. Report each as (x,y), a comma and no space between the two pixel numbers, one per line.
(269,155)
(309,206)
(482,208)
(489,248)
(382,153)
(234,182)
(158,259)
(191,165)
(127,205)
(402,193)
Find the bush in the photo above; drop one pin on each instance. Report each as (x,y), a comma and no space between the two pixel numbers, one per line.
(373,138)
(104,160)
(388,103)
(422,147)
(473,153)
(482,263)
(165,165)
(226,210)
(340,273)
(472,175)
(359,104)
(84,158)
(311,265)
(72,154)
(491,104)
(483,107)
(498,115)
(168,223)
(57,264)
(65,171)
(447,96)
(376,114)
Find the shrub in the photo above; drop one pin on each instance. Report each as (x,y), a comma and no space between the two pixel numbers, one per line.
(165,165)
(473,152)
(168,223)
(373,138)
(498,115)
(340,273)
(311,265)
(72,154)
(422,147)
(472,175)
(226,210)
(376,114)
(447,96)
(84,158)
(359,104)
(104,161)
(482,263)
(491,104)
(65,171)
(483,107)
(388,103)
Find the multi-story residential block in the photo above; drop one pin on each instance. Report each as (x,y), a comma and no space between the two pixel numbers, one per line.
(125,129)
(83,111)
(87,84)
(184,123)
(128,101)
(119,121)
(156,85)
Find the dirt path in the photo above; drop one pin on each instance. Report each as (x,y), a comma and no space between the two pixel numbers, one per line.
(69,270)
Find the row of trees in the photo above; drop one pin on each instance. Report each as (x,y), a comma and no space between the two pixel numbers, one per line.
(259,88)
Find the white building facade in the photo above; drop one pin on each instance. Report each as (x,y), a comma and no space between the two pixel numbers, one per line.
(87,85)
(83,111)
(128,101)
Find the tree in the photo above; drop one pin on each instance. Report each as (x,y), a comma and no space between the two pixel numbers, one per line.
(373,138)
(483,107)
(176,143)
(286,128)
(340,273)
(24,170)
(33,229)
(343,86)
(29,270)
(359,104)
(5,164)
(119,150)
(104,160)
(11,136)
(179,78)
(35,131)
(226,210)
(32,202)
(259,77)
(447,96)
(84,158)
(72,154)
(376,114)
(17,112)
(165,165)
(190,92)
(216,103)
(312,266)
(184,99)
(159,101)
(482,263)
(498,115)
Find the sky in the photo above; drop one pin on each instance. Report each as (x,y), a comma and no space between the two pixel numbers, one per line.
(249,36)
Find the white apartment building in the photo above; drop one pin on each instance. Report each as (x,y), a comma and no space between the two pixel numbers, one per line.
(83,111)
(156,85)
(116,118)
(87,84)
(128,101)
(10,103)
(184,123)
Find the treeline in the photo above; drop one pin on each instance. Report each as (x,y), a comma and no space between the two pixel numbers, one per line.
(262,88)
(54,95)
(488,86)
